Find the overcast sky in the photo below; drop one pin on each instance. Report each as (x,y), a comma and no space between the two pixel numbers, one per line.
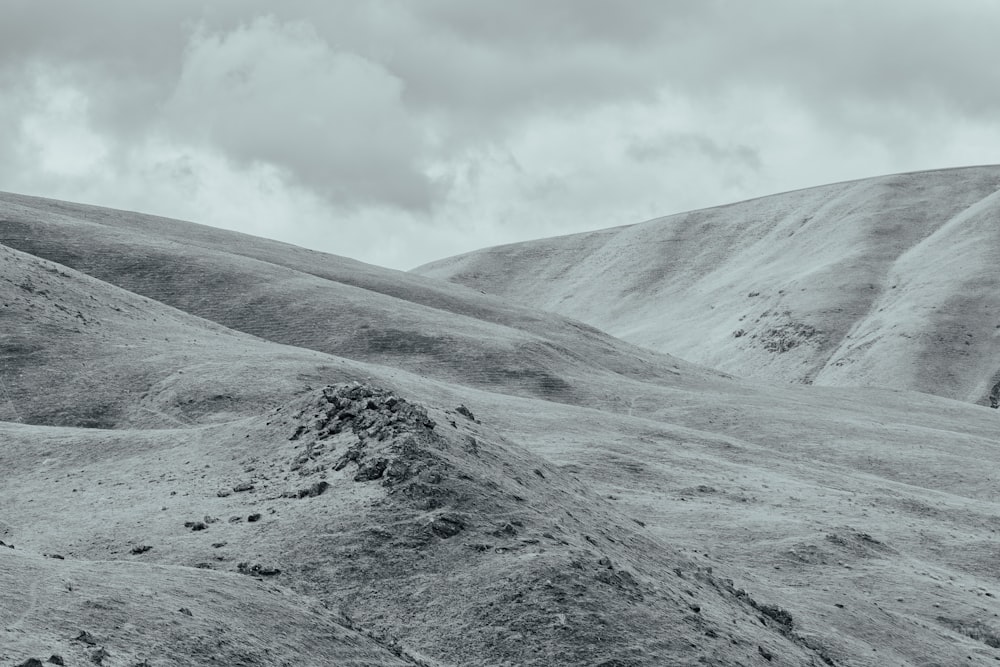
(402,131)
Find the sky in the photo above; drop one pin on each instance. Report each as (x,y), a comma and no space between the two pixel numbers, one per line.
(397,132)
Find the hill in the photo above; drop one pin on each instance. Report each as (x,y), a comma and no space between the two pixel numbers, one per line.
(886,281)
(206,432)
(326,303)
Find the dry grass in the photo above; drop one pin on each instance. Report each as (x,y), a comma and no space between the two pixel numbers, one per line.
(886,282)
(605,504)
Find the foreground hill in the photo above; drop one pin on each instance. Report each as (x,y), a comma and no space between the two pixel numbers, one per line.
(887,281)
(130,613)
(205,432)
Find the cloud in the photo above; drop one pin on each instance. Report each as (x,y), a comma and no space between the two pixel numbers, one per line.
(692,143)
(278,94)
(56,137)
(399,131)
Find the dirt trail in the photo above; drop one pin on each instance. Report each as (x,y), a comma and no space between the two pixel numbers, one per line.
(29,607)
(6,397)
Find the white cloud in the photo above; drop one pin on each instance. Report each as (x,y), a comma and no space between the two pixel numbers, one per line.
(399,132)
(55,136)
(278,93)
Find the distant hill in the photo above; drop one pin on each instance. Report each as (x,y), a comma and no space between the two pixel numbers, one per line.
(888,281)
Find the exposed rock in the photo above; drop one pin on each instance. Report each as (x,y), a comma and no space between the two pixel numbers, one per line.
(447,525)
(507,530)
(393,436)
(141,549)
(316,489)
(85,638)
(771,614)
(243,486)
(396,472)
(56,659)
(370,470)
(254,517)
(370,412)
(780,616)
(195,525)
(31,662)
(353,454)
(858,543)
(257,569)
(784,337)
(465,412)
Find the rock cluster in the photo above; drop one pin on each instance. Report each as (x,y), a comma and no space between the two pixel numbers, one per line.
(374,416)
(257,570)
(784,337)
(371,412)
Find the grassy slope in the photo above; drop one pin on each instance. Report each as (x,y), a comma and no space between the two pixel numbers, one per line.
(323,302)
(134,614)
(538,570)
(75,351)
(92,495)
(738,477)
(887,281)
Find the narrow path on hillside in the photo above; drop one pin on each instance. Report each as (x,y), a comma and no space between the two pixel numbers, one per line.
(29,607)
(172,418)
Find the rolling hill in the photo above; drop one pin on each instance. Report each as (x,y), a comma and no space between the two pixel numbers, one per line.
(217,448)
(886,281)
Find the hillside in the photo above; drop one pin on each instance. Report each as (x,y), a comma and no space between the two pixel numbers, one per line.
(205,432)
(886,281)
(326,303)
